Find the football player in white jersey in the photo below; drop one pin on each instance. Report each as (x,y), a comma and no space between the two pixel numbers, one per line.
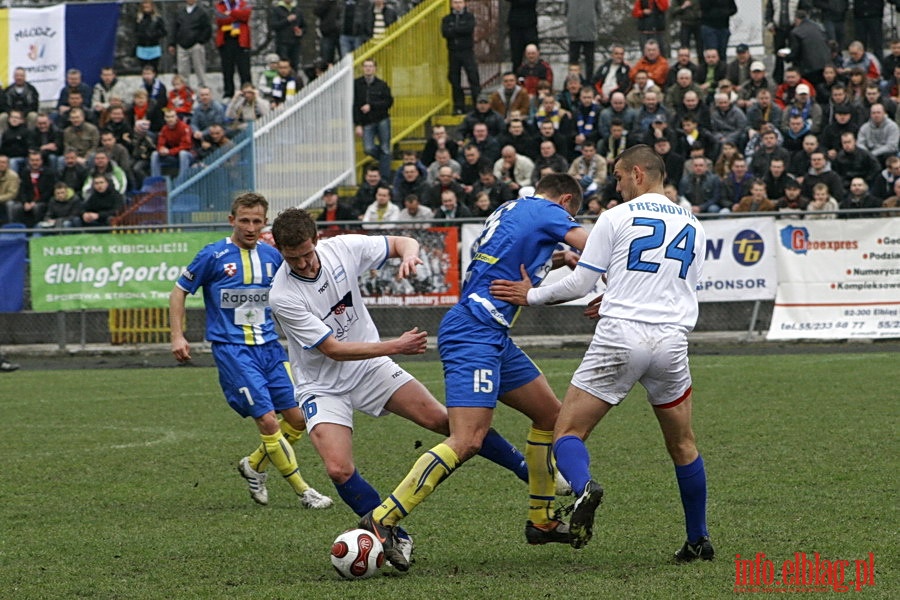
(337,358)
(651,252)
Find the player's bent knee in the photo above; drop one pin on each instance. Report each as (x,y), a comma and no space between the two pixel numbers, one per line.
(339,472)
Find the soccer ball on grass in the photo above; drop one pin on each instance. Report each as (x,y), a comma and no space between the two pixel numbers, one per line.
(357,554)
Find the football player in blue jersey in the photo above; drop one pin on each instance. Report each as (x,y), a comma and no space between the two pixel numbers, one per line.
(482,364)
(235,274)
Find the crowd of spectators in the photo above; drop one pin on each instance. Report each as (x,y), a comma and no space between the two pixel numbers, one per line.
(817,131)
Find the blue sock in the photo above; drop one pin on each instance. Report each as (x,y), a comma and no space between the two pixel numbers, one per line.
(692,485)
(573,461)
(497,449)
(358,494)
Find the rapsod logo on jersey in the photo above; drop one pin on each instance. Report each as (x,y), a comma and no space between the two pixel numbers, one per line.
(748,247)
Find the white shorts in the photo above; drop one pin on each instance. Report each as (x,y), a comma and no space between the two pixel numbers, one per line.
(380,381)
(623,353)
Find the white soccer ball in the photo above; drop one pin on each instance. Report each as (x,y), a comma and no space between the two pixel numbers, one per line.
(357,554)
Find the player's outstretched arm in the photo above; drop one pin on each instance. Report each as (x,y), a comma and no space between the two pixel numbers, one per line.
(181,348)
(411,342)
(406,249)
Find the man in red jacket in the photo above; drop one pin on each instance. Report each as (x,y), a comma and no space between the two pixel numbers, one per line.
(173,145)
(651,22)
(233,41)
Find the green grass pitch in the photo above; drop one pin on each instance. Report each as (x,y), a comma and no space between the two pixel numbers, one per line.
(121,484)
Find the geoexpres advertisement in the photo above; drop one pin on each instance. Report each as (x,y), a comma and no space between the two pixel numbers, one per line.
(111,270)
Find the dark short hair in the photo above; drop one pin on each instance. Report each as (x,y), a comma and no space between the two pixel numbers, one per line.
(292,227)
(645,157)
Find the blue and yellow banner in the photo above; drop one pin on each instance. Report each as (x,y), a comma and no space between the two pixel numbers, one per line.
(46,42)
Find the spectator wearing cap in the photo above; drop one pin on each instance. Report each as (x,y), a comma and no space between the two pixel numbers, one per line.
(809,51)
(793,199)
(804,106)
(738,70)
(784,93)
(483,113)
(843,123)
(267,77)
(674,162)
(334,210)
(458,29)
(659,128)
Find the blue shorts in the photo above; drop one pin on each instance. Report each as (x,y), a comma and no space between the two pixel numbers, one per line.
(255,379)
(481,362)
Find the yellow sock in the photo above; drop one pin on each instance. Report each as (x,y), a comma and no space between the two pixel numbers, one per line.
(259,460)
(541,476)
(432,468)
(282,456)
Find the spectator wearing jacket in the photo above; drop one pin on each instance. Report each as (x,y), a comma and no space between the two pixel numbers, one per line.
(19,95)
(612,76)
(651,23)
(287,24)
(373,17)
(688,12)
(458,29)
(174,145)
(372,101)
(714,24)
(191,30)
(233,41)
(582,17)
(510,97)
(653,62)
(329,15)
(809,48)
(867,23)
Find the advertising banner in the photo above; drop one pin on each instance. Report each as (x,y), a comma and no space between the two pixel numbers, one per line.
(87,271)
(740,260)
(838,279)
(436,282)
(46,42)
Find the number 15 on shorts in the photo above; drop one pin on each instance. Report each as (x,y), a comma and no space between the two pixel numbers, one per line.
(482,382)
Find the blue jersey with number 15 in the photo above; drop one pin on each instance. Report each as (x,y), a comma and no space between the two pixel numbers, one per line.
(521,232)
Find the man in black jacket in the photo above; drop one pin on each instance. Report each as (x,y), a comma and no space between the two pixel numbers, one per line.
(867,23)
(20,95)
(714,24)
(522,21)
(191,29)
(809,48)
(286,22)
(372,100)
(458,29)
